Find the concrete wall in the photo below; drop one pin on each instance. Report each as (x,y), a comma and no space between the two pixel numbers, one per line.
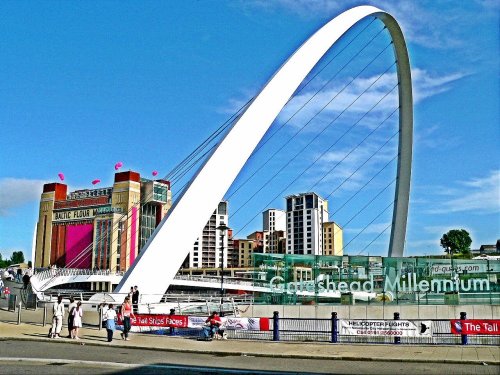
(374,312)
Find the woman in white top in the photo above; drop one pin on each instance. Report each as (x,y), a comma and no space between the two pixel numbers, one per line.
(110,322)
(77,320)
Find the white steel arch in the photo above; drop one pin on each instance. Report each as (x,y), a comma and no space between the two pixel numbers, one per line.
(175,235)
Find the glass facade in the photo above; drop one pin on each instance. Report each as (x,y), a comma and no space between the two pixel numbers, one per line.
(310,279)
(102,244)
(160,192)
(147,222)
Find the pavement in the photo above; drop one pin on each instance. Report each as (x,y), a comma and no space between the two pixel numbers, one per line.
(457,354)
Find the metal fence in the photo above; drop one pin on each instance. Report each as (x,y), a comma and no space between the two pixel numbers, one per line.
(290,329)
(327,330)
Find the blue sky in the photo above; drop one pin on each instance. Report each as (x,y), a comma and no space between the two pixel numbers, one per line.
(85,84)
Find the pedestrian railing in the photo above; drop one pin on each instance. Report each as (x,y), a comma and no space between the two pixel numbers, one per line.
(336,330)
(437,331)
(440,331)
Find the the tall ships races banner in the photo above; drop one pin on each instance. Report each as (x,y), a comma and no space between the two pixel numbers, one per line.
(152,322)
(475,326)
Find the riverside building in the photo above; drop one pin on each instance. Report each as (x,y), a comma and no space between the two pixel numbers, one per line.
(274,228)
(333,239)
(102,228)
(305,215)
(211,249)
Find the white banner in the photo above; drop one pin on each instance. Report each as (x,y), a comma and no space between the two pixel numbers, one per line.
(251,324)
(385,328)
(196,321)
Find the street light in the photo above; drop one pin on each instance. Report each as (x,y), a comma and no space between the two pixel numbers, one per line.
(222,228)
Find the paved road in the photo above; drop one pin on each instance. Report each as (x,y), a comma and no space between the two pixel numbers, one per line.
(63,358)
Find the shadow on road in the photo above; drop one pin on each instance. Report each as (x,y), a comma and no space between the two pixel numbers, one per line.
(191,370)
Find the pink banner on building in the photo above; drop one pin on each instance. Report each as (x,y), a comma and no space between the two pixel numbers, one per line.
(133,234)
(78,240)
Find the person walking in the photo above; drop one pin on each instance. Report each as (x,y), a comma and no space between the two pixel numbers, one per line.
(126,313)
(26,280)
(19,275)
(77,320)
(71,307)
(171,315)
(110,321)
(57,318)
(103,308)
(135,299)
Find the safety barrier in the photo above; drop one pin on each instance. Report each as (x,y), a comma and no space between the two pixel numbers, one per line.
(397,331)
(440,332)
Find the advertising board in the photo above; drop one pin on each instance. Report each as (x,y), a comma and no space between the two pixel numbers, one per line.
(399,328)
(475,327)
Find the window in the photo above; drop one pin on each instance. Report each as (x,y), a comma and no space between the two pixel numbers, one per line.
(309,202)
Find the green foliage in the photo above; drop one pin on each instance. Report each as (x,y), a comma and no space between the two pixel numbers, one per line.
(17,257)
(4,263)
(456,241)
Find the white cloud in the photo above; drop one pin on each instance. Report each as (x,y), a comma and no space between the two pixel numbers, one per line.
(15,192)
(372,228)
(439,230)
(479,195)
(335,98)
(423,22)
(348,163)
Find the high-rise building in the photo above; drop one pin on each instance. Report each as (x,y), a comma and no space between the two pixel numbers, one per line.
(333,240)
(212,245)
(99,228)
(245,251)
(232,251)
(274,227)
(247,247)
(305,215)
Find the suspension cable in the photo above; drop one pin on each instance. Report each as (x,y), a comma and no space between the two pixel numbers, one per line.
(310,142)
(313,117)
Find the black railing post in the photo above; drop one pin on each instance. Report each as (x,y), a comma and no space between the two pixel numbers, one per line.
(334,328)
(44,314)
(276,326)
(397,339)
(463,316)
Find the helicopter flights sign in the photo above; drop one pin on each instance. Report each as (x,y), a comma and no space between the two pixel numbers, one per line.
(404,328)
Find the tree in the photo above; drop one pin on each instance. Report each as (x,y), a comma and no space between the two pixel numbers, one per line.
(17,257)
(456,241)
(4,262)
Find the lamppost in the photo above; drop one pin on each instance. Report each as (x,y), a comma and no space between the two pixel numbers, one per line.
(222,228)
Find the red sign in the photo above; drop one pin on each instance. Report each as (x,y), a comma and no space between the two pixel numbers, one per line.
(475,327)
(153,320)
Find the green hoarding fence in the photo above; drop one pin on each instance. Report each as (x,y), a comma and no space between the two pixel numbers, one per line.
(314,279)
